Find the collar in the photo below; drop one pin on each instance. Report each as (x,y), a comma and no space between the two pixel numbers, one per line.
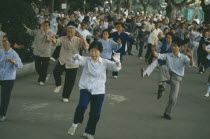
(9,51)
(71,38)
(179,55)
(99,60)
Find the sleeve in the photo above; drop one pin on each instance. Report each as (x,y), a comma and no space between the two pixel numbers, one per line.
(162,56)
(17,59)
(59,41)
(115,46)
(130,39)
(80,62)
(110,65)
(31,32)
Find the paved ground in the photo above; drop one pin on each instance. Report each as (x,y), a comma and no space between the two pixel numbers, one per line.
(130,110)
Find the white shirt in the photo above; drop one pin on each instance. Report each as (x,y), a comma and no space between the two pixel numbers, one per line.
(150,26)
(154,35)
(84,33)
(93,77)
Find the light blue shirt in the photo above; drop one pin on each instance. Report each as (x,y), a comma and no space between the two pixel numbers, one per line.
(108,46)
(175,64)
(8,69)
(93,77)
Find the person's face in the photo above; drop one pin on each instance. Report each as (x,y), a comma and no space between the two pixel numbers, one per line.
(168,38)
(119,28)
(144,26)
(46,26)
(95,53)
(175,48)
(105,35)
(157,25)
(83,26)
(88,23)
(166,31)
(101,23)
(206,34)
(70,32)
(6,43)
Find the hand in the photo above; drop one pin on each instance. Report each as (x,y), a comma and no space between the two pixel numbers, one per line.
(184,47)
(18,46)
(77,57)
(24,26)
(10,60)
(153,48)
(155,42)
(119,41)
(82,39)
(52,37)
(189,52)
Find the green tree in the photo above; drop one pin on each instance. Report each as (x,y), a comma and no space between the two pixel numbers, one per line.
(206,10)
(13,14)
(173,5)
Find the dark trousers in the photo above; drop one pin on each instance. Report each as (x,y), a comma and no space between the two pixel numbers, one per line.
(56,52)
(6,90)
(129,48)
(41,66)
(141,45)
(96,102)
(70,78)
(149,55)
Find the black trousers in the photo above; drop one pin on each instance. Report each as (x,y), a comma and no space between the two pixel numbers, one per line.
(141,45)
(129,47)
(149,55)
(70,78)
(56,52)
(6,90)
(41,66)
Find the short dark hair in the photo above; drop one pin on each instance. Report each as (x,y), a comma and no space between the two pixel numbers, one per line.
(96,45)
(170,34)
(47,22)
(177,41)
(10,40)
(118,23)
(105,30)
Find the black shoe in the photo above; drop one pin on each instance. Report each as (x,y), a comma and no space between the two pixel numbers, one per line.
(161,89)
(130,54)
(166,116)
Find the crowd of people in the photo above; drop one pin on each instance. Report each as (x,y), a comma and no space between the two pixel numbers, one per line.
(107,36)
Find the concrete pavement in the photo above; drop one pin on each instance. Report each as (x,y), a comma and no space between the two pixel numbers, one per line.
(130,110)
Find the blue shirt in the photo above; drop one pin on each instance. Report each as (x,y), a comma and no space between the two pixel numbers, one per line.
(108,46)
(175,64)
(93,77)
(8,69)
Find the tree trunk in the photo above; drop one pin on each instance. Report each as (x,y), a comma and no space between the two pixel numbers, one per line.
(129,5)
(111,5)
(51,6)
(206,10)
(145,10)
(119,5)
(170,10)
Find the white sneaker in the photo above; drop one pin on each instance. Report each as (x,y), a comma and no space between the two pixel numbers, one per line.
(207,94)
(143,73)
(88,136)
(2,118)
(115,77)
(140,58)
(53,59)
(41,83)
(57,89)
(72,130)
(65,100)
